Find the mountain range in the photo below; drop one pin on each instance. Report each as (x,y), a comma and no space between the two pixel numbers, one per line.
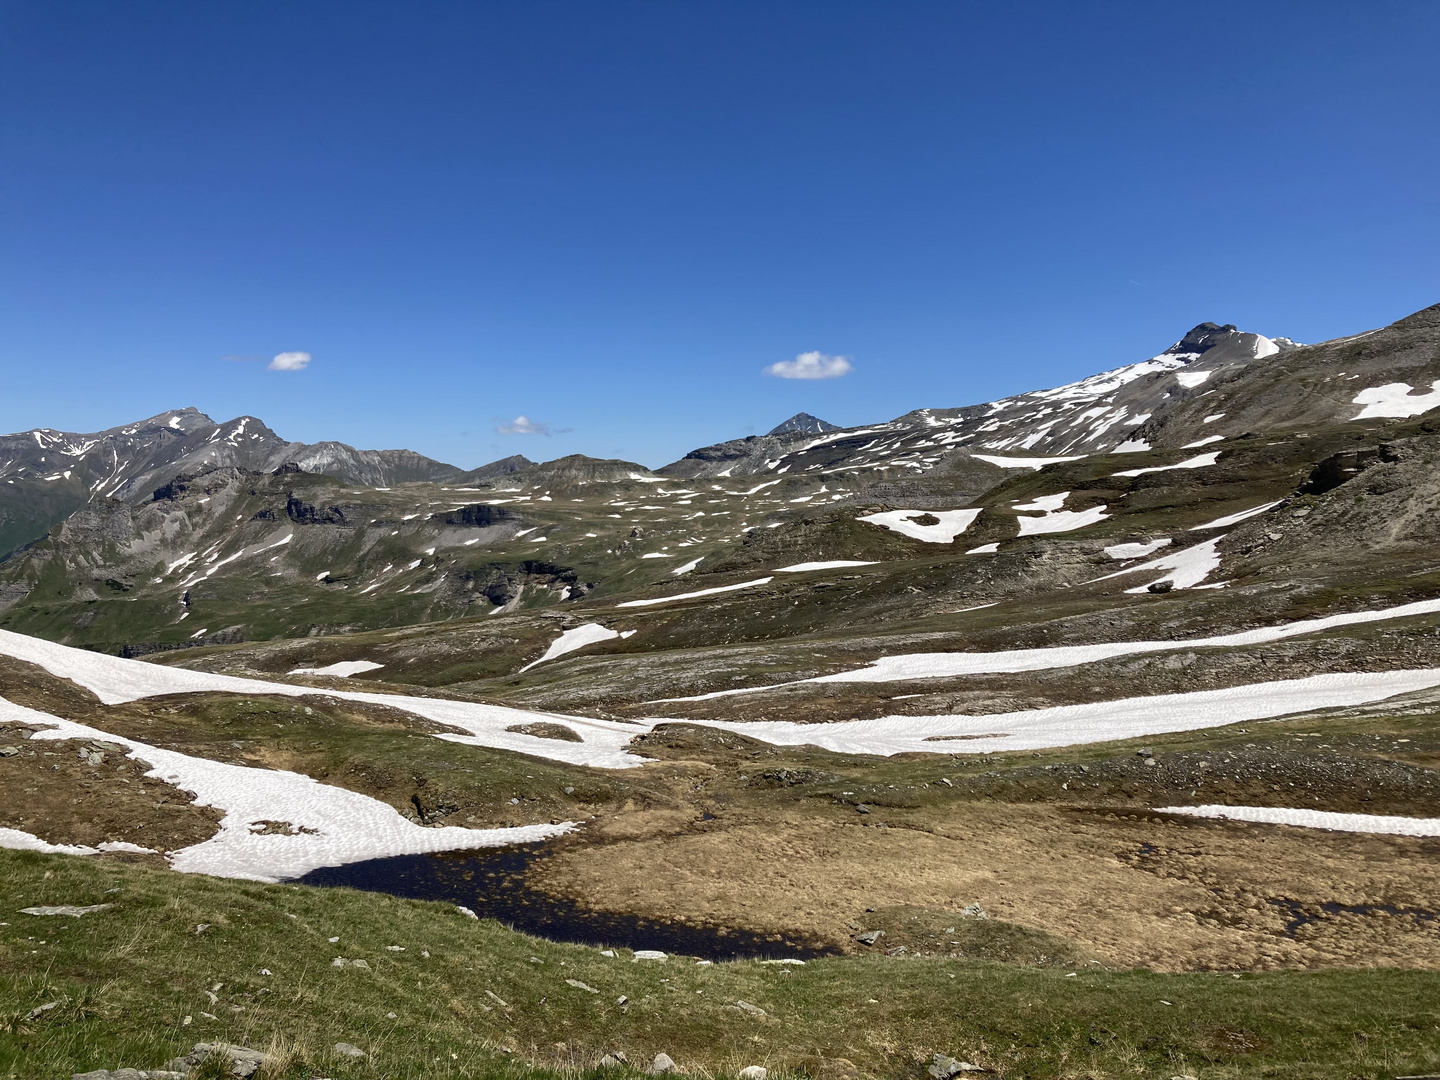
(119,537)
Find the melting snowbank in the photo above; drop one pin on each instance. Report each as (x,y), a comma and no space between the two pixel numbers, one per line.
(578,638)
(1052,519)
(330,826)
(343,670)
(945,665)
(1101,721)
(1313,819)
(1395,399)
(115,681)
(948,524)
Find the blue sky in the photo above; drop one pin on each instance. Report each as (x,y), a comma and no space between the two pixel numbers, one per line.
(610,218)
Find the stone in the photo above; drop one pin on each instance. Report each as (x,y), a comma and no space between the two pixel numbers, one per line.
(10,751)
(65,909)
(239,1060)
(578,985)
(662,1064)
(347,1050)
(942,1067)
(861,808)
(745,1006)
(611,1061)
(753,1072)
(1160,586)
(974,911)
(869,937)
(650,954)
(899,950)
(463,910)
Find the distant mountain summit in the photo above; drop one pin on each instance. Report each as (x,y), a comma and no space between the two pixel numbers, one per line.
(802,423)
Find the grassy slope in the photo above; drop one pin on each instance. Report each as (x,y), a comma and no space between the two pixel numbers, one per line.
(128,977)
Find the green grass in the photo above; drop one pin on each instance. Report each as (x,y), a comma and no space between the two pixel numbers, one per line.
(127,978)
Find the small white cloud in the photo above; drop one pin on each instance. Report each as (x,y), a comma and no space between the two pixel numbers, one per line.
(811,365)
(523,425)
(290,361)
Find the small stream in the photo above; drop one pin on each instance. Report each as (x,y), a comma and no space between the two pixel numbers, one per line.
(491,882)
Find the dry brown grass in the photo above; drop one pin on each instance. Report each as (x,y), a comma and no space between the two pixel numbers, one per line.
(1139,890)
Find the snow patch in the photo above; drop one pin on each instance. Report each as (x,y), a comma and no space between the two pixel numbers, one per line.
(1024,462)
(693,595)
(344,669)
(1395,399)
(1135,551)
(577,638)
(951,523)
(1055,520)
(1235,519)
(833,564)
(1197,462)
(1313,819)
(1190,566)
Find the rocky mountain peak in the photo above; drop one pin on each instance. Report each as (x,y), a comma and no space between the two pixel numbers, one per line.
(802,423)
(1203,337)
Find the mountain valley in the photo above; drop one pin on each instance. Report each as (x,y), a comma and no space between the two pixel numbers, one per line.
(1129,680)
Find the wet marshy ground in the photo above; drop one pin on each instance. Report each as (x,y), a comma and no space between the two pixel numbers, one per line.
(492,883)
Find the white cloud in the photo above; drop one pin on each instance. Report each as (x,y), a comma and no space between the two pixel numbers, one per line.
(811,365)
(290,361)
(523,425)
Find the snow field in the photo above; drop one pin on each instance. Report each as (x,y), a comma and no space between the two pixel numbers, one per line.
(114,680)
(331,826)
(1071,725)
(948,665)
